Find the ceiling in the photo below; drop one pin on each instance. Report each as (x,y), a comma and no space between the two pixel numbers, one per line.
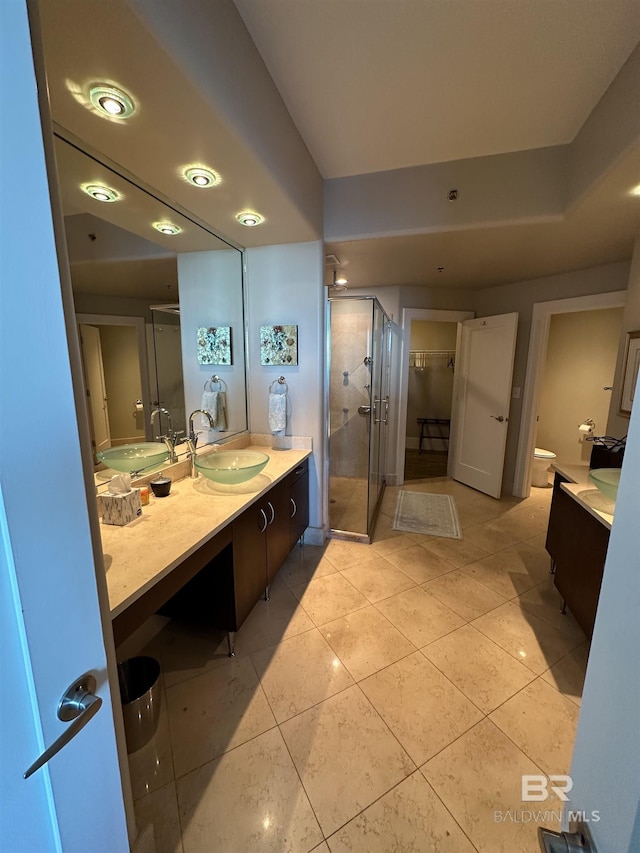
(371,86)
(385,84)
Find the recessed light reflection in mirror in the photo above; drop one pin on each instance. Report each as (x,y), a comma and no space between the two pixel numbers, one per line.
(141,297)
(101,193)
(167,228)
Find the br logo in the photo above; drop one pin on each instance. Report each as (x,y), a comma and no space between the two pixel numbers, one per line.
(536,787)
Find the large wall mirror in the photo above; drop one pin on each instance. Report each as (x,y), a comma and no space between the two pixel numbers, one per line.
(160,309)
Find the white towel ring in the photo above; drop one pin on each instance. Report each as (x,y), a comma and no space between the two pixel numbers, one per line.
(279,381)
(215,380)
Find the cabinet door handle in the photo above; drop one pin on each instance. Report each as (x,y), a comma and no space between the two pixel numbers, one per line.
(299,470)
(273,512)
(264,515)
(295,508)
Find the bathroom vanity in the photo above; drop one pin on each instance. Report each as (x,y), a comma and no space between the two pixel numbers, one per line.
(207,552)
(577,541)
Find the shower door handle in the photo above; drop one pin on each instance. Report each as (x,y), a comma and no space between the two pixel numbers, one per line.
(364,410)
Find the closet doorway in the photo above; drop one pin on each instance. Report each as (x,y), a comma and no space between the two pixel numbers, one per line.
(426,392)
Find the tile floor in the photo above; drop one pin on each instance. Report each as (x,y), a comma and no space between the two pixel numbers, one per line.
(388,697)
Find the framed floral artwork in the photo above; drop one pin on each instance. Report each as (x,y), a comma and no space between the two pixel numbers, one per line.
(214,345)
(279,345)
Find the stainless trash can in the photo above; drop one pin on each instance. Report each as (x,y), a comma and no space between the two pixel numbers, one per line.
(140,694)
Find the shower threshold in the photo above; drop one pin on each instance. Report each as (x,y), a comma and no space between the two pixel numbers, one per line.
(352,536)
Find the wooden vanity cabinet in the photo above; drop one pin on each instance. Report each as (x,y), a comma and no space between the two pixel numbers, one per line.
(298,482)
(227,587)
(577,543)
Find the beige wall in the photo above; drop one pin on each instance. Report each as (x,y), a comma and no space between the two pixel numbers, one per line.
(581,358)
(122,379)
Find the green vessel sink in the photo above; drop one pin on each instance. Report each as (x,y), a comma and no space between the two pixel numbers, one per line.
(231,466)
(607,480)
(134,457)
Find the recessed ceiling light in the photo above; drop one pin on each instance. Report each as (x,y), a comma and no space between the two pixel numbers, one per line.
(341,280)
(249,218)
(167,228)
(201,177)
(636,190)
(110,101)
(100,192)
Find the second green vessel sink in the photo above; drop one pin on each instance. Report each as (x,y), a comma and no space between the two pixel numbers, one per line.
(231,466)
(607,480)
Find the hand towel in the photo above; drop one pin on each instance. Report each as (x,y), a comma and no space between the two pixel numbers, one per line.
(277,412)
(214,402)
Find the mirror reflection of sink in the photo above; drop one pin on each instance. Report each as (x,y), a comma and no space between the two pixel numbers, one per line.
(606,480)
(231,466)
(134,457)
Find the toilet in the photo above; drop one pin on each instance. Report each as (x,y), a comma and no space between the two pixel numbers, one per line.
(541,461)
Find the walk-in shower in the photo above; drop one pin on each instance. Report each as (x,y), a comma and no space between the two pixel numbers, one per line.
(359,348)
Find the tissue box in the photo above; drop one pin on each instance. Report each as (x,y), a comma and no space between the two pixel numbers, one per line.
(120,509)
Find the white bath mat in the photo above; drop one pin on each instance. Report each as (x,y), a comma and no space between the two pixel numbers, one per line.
(422,512)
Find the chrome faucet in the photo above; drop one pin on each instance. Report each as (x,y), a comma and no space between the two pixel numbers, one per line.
(160,410)
(192,439)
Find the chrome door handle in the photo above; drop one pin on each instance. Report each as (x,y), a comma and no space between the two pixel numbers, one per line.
(498,418)
(266,523)
(295,508)
(273,512)
(364,410)
(79,703)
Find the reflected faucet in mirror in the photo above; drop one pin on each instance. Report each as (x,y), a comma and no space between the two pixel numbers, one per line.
(192,439)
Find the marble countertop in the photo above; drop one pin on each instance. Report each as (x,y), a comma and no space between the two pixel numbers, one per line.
(139,554)
(582,490)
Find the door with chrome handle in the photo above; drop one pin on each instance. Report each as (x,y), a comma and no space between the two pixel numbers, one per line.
(78,704)
(499,418)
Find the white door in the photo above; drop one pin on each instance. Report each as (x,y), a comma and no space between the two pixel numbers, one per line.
(95,386)
(52,630)
(481,396)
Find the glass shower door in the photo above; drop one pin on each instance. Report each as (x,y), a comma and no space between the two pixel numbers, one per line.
(358,406)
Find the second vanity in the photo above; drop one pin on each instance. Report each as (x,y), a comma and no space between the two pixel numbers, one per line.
(207,552)
(577,541)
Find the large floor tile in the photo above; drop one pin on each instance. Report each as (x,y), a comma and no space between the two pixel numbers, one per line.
(477,512)
(185,649)
(458,552)
(512,571)
(299,673)
(304,565)
(214,712)
(329,598)
(365,641)
(250,799)
(377,578)
(419,564)
(343,554)
(271,621)
(479,779)
(478,667)
(534,643)
(542,723)
(420,616)
(463,594)
(545,602)
(523,522)
(160,809)
(409,818)
(345,755)
(567,675)
(421,707)
(488,538)
(386,545)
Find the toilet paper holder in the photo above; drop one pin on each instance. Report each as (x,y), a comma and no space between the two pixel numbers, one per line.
(587,426)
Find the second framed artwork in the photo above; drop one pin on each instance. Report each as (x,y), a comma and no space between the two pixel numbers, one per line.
(279,345)
(630,369)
